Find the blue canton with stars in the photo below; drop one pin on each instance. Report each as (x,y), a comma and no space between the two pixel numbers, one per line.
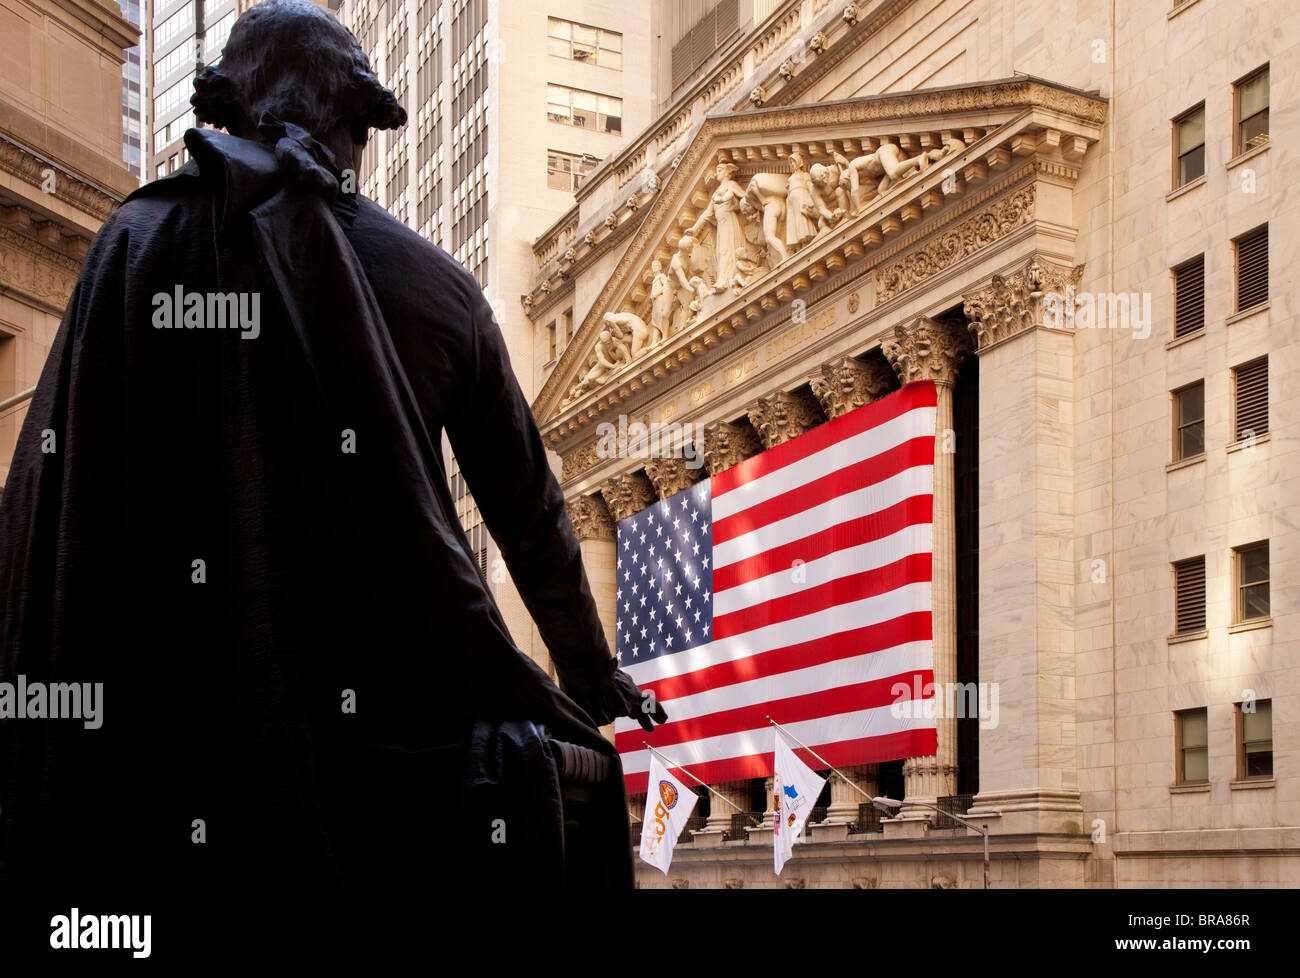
(665,577)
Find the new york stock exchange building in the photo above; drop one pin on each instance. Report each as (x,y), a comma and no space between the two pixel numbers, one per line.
(1063,223)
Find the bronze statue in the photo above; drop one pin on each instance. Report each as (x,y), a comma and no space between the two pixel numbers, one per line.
(249,537)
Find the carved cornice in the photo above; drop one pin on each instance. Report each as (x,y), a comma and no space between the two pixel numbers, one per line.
(672,475)
(29,167)
(591,518)
(1014,303)
(628,494)
(783,415)
(579,461)
(951,246)
(28,267)
(927,349)
(849,383)
(726,445)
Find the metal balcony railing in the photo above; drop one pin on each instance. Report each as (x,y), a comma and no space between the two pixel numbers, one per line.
(953,804)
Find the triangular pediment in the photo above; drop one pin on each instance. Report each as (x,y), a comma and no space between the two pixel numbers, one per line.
(763,202)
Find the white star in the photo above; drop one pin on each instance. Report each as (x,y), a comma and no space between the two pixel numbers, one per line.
(627,606)
(643,570)
(688,634)
(686,501)
(626,543)
(706,628)
(705,562)
(643,601)
(679,621)
(634,589)
(697,614)
(661,594)
(652,612)
(697,550)
(643,633)
(677,555)
(696,582)
(695,516)
(659,531)
(679,589)
(704,527)
(688,600)
(634,619)
(627,575)
(652,550)
(635,650)
(661,626)
(706,594)
(669,641)
(675,524)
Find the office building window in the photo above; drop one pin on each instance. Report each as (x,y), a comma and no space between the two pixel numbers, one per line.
(1189,595)
(1250,397)
(1189,421)
(1251,108)
(578,42)
(1189,296)
(1252,268)
(564,171)
(1251,573)
(586,110)
(1191,731)
(1255,739)
(1189,146)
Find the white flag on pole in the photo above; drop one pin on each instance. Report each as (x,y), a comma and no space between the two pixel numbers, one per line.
(668,804)
(795,789)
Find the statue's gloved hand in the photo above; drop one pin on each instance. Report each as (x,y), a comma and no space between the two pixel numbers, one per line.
(612,694)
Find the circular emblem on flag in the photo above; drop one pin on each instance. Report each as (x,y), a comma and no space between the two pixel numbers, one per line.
(668,792)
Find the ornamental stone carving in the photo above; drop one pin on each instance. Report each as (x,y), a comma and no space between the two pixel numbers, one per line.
(784,415)
(580,460)
(1026,298)
(849,383)
(786,69)
(851,14)
(628,494)
(819,42)
(672,475)
(727,444)
(948,247)
(758,96)
(591,518)
(927,349)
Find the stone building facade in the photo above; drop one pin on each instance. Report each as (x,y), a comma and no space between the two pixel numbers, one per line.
(1062,214)
(61,173)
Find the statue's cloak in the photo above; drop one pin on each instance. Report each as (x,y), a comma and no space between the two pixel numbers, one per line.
(250,541)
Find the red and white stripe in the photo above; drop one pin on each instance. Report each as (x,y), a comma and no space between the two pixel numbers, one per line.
(822,653)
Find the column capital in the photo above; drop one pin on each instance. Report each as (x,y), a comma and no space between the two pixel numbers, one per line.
(672,475)
(1020,300)
(628,494)
(848,383)
(927,349)
(728,444)
(591,518)
(783,415)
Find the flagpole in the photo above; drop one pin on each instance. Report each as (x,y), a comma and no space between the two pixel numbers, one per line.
(678,767)
(844,776)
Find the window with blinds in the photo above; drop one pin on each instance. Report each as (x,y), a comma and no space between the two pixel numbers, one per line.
(1189,595)
(1189,296)
(1255,739)
(1252,268)
(1250,383)
(1252,111)
(704,39)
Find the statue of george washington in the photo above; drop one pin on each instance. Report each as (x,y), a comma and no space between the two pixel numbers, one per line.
(229,507)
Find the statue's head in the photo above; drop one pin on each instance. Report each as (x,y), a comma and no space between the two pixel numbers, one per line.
(656,267)
(819,174)
(685,243)
(725,170)
(294,60)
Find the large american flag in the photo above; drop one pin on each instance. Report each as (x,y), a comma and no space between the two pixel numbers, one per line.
(795,584)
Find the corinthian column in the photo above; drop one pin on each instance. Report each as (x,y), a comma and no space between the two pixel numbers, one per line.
(784,415)
(849,383)
(593,525)
(672,475)
(927,349)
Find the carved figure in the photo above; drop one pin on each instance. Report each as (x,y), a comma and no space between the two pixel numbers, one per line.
(724,213)
(632,331)
(661,300)
(800,211)
(766,194)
